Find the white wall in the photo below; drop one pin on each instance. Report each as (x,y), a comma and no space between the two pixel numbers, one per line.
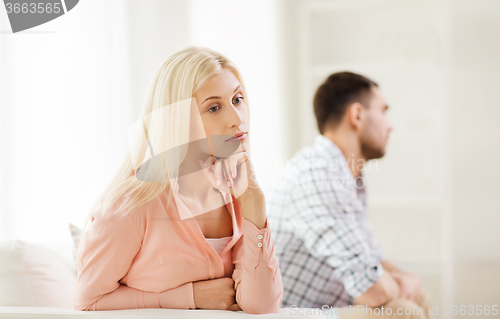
(474,82)
(431,199)
(247,33)
(156,30)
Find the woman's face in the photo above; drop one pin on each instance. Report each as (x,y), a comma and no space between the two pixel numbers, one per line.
(221,102)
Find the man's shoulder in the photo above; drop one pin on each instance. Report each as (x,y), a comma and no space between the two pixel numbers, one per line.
(316,167)
(313,158)
(309,163)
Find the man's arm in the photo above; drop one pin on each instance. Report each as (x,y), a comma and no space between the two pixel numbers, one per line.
(409,283)
(325,222)
(383,290)
(390,267)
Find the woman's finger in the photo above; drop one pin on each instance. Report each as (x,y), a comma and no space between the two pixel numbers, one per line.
(227,174)
(252,178)
(209,173)
(232,165)
(242,157)
(218,174)
(215,174)
(222,182)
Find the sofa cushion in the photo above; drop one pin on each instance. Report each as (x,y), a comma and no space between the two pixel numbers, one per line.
(31,275)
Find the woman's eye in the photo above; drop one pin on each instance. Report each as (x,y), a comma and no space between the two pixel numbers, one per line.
(214,109)
(238,100)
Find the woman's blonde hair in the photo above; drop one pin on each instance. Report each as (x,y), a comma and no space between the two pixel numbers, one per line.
(177,79)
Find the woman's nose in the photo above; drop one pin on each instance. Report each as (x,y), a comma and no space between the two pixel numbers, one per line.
(235,118)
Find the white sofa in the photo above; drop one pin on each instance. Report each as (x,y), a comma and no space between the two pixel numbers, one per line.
(38,281)
(59,313)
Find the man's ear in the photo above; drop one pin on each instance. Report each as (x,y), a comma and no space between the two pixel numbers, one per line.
(355,115)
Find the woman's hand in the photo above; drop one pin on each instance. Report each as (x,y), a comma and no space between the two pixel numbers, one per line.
(236,176)
(229,175)
(215,294)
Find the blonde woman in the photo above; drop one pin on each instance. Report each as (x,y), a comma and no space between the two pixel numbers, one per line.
(164,236)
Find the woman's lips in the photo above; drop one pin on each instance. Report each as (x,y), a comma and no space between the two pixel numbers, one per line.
(238,138)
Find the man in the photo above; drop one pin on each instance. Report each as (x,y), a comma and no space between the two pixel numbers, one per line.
(328,254)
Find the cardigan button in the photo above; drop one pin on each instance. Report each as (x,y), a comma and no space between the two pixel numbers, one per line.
(259,245)
(260,237)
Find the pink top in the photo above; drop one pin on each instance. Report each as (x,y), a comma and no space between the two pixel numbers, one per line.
(151,257)
(219,244)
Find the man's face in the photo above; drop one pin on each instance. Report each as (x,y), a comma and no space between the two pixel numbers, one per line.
(376,128)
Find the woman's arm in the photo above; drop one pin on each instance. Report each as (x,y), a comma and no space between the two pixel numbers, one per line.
(257,277)
(125,297)
(110,246)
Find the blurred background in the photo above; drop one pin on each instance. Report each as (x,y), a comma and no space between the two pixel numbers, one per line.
(70,89)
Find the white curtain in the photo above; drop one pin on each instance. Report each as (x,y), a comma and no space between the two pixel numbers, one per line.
(70,88)
(65,101)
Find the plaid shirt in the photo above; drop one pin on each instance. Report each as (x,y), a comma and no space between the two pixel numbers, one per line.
(324,243)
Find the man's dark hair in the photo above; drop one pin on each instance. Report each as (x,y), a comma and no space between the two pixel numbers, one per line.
(337,92)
